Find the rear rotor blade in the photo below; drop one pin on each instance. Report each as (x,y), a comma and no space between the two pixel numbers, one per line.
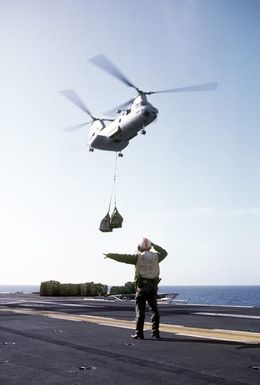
(107,120)
(199,87)
(120,107)
(76,127)
(105,64)
(73,97)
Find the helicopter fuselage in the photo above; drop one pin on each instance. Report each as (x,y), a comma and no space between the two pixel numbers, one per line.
(116,135)
(136,115)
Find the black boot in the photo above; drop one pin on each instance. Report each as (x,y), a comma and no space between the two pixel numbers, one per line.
(138,335)
(156,335)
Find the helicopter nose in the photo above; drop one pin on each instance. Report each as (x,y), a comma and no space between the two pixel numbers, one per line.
(155,111)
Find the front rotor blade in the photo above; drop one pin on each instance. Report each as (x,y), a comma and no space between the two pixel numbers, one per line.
(105,64)
(73,97)
(76,127)
(199,87)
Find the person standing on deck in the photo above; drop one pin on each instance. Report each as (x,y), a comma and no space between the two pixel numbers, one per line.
(147,273)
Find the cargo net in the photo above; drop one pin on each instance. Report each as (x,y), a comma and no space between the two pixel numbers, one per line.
(115,220)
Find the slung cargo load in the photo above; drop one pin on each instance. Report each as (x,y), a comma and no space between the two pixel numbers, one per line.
(108,223)
(105,225)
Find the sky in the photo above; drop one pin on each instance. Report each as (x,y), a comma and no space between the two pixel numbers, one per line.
(191,184)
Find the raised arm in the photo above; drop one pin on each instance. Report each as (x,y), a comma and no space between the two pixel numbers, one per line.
(160,251)
(125,258)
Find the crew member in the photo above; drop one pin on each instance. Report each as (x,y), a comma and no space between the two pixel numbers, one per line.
(147,273)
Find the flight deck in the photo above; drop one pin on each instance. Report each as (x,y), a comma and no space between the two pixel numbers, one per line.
(76,340)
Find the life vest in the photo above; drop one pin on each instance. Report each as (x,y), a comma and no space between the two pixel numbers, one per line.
(147,265)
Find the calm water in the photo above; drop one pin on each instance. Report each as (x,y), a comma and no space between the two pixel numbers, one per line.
(210,295)
(27,289)
(217,295)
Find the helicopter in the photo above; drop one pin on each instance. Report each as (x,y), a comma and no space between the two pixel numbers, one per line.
(134,115)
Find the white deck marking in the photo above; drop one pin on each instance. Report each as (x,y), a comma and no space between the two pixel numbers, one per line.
(58,303)
(35,303)
(215,334)
(228,315)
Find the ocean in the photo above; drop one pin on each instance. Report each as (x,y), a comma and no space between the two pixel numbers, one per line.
(26,289)
(207,295)
(216,295)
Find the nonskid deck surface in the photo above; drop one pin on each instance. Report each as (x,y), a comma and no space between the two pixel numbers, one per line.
(47,340)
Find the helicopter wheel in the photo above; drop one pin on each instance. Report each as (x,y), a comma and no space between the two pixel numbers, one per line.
(91,149)
(120,155)
(143,132)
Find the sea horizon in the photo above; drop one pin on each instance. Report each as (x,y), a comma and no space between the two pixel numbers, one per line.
(229,295)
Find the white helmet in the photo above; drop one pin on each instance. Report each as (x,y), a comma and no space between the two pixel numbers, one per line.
(144,245)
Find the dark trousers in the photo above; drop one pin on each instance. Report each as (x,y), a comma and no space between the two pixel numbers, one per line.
(147,293)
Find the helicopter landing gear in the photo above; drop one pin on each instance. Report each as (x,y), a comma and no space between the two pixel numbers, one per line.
(143,132)
(120,155)
(91,149)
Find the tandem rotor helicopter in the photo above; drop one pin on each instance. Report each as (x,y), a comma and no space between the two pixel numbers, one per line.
(133,116)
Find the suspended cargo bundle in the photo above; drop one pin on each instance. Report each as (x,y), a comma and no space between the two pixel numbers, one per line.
(105,226)
(116,219)
(108,223)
